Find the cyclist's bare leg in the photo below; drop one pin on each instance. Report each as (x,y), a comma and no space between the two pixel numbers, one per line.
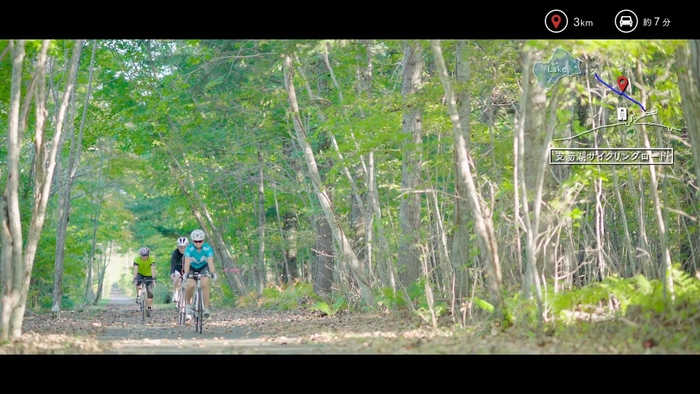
(189,291)
(149,294)
(177,280)
(205,291)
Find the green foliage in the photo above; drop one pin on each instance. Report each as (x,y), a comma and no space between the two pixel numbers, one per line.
(290,297)
(332,309)
(482,304)
(390,299)
(637,290)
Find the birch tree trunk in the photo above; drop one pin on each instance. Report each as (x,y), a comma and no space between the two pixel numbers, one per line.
(97,209)
(667,278)
(688,60)
(462,234)
(64,208)
(262,272)
(384,265)
(44,166)
(322,273)
(409,259)
(480,211)
(203,217)
(290,253)
(11,223)
(531,123)
(341,241)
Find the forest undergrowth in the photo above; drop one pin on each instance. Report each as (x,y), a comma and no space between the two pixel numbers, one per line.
(614,316)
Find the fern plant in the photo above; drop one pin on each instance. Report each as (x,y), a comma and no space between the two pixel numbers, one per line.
(330,310)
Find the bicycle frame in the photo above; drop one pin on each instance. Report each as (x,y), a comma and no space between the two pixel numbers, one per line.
(182,317)
(198,303)
(143,298)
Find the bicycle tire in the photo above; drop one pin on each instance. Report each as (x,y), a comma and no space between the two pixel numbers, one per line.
(183,305)
(143,308)
(195,312)
(200,310)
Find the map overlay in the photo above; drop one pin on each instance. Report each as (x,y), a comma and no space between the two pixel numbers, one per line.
(561,64)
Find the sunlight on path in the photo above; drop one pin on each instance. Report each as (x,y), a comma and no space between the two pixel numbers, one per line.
(125,334)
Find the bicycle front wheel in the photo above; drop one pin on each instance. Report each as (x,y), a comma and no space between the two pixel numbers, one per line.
(200,310)
(181,308)
(195,312)
(143,307)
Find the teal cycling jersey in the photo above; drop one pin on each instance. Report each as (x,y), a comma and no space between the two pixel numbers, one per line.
(198,258)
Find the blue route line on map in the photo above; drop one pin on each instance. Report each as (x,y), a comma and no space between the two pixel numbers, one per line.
(621,93)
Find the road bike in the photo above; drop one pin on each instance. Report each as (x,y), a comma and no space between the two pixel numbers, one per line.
(198,302)
(181,304)
(143,294)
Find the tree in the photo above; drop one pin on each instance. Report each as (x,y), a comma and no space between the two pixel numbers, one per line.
(688,58)
(17,263)
(480,211)
(65,189)
(343,244)
(409,262)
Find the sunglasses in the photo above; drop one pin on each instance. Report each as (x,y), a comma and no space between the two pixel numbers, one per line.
(198,242)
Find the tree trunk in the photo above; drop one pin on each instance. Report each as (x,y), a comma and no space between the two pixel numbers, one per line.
(667,278)
(102,270)
(462,232)
(384,264)
(482,217)
(11,222)
(64,208)
(531,152)
(97,209)
(290,235)
(200,212)
(262,272)
(322,273)
(44,166)
(409,259)
(358,211)
(688,61)
(342,242)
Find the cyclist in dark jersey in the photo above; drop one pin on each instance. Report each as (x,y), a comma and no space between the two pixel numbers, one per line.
(176,260)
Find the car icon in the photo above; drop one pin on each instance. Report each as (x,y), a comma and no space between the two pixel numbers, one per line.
(626,20)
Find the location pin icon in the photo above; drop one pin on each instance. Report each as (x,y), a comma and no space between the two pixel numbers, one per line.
(622,83)
(556,20)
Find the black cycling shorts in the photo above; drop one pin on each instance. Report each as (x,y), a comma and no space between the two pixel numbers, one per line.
(202,271)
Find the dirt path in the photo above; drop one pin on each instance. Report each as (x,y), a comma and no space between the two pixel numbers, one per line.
(223,333)
(116,328)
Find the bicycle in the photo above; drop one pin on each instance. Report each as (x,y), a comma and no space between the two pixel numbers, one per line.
(181,310)
(143,294)
(198,302)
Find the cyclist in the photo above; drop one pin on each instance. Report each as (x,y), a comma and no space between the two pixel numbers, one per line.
(176,260)
(199,257)
(145,268)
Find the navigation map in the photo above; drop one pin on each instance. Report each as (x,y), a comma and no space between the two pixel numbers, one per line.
(564,64)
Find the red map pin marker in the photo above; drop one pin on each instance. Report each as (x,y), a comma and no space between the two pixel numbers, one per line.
(622,82)
(556,20)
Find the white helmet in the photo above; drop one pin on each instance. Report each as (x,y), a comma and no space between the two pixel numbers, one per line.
(144,251)
(198,235)
(182,241)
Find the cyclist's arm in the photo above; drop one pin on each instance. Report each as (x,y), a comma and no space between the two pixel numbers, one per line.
(136,270)
(186,264)
(173,262)
(210,262)
(153,269)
